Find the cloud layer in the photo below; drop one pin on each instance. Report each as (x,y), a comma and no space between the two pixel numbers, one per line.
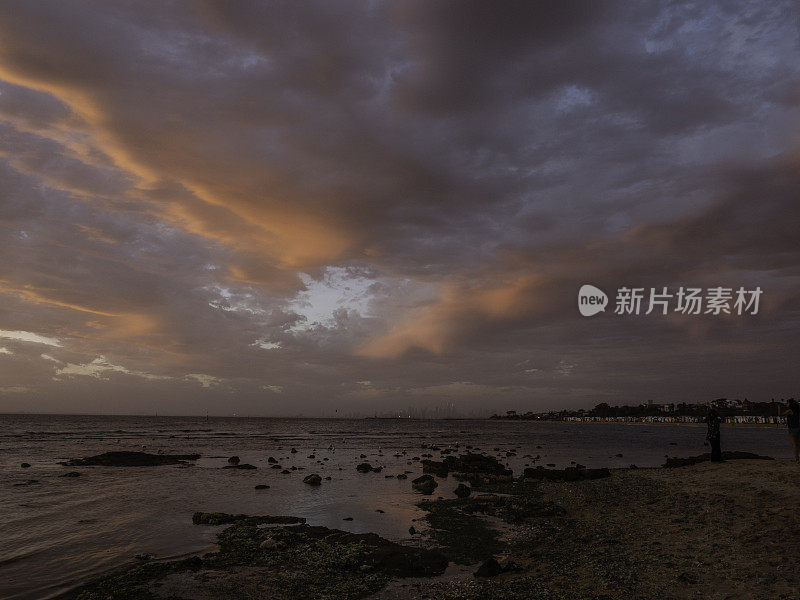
(281,207)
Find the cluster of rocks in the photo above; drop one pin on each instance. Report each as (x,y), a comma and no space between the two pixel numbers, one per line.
(124,458)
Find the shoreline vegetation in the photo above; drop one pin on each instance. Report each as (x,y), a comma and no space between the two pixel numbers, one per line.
(688,529)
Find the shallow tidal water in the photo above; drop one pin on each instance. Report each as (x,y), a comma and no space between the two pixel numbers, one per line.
(61,531)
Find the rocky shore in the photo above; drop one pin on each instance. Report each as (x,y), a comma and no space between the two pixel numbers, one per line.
(707,530)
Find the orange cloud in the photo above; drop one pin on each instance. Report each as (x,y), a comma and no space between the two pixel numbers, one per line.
(460,310)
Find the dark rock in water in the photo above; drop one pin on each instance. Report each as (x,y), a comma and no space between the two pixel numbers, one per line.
(70,474)
(347,519)
(293,450)
(366,468)
(433,466)
(476,463)
(633,467)
(402,476)
(234,460)
(425,484)
(285,472)
(412,530)
(568,474)
(29,482)
(123,458)
(312,479)
(245,466)
(731,455)
(490,568)
(202,518)
(462,491)
(466,466)
(262,486)
(328,478)
(382,556)
(272,460)
(25,465)
(276,467)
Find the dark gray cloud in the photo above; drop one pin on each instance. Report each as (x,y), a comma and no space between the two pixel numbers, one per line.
(283,207)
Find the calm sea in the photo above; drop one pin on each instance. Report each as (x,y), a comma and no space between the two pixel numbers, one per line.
(60,531)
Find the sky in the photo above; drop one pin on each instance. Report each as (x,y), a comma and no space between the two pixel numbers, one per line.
(285,208)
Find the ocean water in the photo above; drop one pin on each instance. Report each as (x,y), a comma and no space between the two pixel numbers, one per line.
(59,532)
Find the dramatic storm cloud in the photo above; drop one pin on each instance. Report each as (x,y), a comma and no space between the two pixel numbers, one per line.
(304,207)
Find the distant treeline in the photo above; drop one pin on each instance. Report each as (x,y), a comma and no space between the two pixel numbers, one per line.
(725,407)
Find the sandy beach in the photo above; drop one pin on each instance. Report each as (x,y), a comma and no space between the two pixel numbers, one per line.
(711,531)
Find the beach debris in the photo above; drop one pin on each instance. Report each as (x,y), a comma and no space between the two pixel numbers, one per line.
(312,479)
(218,518)
(462,491)
(124,458)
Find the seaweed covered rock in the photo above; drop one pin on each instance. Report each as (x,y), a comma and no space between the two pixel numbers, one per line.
(462,491)
(380,554)
(476,463)
(124,458)
(218,518)
(568,474)
(731,455)
(489,568)
(466,465)
(425,484)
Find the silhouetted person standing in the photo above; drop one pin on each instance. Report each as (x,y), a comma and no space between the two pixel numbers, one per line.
(713,421)
(792,412)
